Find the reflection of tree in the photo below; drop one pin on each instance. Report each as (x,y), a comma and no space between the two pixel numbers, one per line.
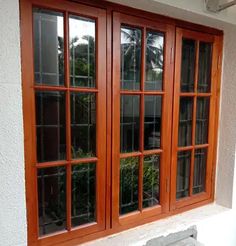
(131,51)
(61,59)
(82,60)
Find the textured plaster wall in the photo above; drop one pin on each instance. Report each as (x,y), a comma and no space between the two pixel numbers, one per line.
(12,185)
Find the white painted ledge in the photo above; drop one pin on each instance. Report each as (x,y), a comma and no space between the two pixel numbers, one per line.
(208,219)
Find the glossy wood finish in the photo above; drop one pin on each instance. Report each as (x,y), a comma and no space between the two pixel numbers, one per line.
(167,30)
(194,198)
(30,142)
(109,16)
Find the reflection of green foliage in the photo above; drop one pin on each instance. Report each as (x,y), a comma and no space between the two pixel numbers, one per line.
(150,174)
(83,192)
(129,172)
(82,59)
(79,153)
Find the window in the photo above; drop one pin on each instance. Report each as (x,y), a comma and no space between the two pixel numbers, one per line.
(120,117)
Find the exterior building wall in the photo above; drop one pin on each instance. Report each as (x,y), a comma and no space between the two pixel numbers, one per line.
(13,228)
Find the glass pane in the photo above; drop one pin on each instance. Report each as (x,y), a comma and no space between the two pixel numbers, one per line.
(152,122)
(50,124)
(199,177)
(183,173)
(48,47)
(204,67)
(202,119)
(154,60)
(83,124)
(129,169)
(82,52)
(83,194)
(130,64)
(51,199)
(129,123)
(188,65)
(151,181)
(185,121)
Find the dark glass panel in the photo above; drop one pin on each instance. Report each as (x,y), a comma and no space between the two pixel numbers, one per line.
(204,67)
(82,51)
(51,199)
(130,64)
(152,122)
(129,123)
(154,60)
(151,181)
(199,178)
(202,119)
(183,173)
(188,65)
(185,121)
(83,124)
(83,209)
(48,47)
(50,124)
(129,169)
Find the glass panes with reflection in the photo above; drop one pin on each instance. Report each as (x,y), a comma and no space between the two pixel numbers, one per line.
(130,62)
(202,118)
(50,125)
(129,171)
(48,47)
(183,174)
(83,125)
(185,121)
(83,199)
(129,123)
(82,52)
(204,67)
(152,122)
(151,181)
(188,65)
(199,178)
(51,200)
(154,60)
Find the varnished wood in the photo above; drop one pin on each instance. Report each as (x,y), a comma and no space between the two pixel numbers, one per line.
(108,17)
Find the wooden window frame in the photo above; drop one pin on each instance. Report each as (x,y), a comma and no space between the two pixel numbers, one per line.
(114,13)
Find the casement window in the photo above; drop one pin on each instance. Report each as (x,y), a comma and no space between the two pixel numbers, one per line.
(120,118)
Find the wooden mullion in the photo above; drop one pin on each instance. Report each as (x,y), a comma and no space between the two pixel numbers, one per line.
(84,160)
(51,164)
(194,119)
(152,152)
(82,89)
(185,148)
(131,154)
(50,88)
(141,133)
(126,92)
(68,121)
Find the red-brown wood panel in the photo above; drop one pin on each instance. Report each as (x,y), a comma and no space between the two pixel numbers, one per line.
(166,93)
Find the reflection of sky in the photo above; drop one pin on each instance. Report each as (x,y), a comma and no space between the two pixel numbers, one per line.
(77,28)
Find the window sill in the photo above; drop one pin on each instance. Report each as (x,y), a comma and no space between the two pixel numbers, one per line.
(142,234)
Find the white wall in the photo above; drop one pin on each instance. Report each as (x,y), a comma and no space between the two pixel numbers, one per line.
(12,185)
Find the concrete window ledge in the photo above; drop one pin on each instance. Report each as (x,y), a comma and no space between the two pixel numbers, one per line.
(216,225)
